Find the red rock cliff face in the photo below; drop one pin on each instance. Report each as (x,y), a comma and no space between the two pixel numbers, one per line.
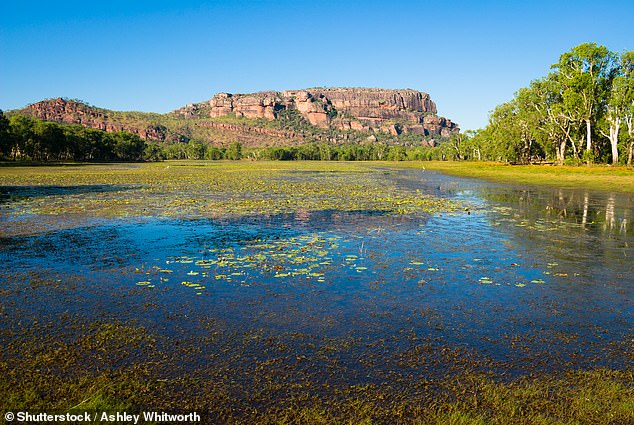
(379,103)
(254,105)
(391,111)
(72,112)
(366,110)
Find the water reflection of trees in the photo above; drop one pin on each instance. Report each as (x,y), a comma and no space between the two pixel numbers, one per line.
(609,213)
(590,232)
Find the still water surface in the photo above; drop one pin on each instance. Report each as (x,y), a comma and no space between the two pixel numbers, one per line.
(519,280)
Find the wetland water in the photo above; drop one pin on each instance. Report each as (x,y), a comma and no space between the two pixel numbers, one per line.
(513,281)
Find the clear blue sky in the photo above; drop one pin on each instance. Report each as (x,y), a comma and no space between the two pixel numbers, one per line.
(157,55)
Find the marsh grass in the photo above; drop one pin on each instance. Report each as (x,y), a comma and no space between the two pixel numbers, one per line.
(73,364)
(580,397)
(204,189)
(603,178)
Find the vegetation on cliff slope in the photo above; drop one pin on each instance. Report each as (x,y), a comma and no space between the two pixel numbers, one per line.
(26,138)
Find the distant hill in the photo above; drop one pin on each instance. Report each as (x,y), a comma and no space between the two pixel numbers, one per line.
(285,118)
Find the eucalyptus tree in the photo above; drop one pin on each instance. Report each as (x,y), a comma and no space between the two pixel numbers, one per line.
(627,74)
(620,107)
(50,141)
(463,146)
(615,113)
(506,132)
(457,143)
(550,124)
(21,136)
(585,74)
(532,116)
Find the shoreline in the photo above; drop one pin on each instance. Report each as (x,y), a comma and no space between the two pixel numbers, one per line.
(595,177)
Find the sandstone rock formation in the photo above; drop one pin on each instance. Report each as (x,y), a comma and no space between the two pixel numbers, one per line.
(73,112)
(315,110)
(391,111)
(351,112)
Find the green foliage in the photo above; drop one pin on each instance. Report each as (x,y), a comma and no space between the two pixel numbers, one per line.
(291,119)
(234,152)
(214,153)
(586,99)
(344,152)
(4,134)
(128,147)
(25,138)
(153,152)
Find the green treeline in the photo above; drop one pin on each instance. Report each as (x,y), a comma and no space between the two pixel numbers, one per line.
(305,152)
(581,112)
(30,139)
(25,138)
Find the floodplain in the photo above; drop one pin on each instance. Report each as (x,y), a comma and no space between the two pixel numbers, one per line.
(315,292)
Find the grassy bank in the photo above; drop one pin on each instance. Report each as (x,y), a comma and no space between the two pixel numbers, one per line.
(116,367)
(604,178)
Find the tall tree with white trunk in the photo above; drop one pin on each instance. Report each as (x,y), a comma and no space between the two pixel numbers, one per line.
(585,74)
(627,75)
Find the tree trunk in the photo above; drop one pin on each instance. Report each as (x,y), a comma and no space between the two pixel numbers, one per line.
(630,131)
(561,152)
(588,135)
(575,152)
(614,139)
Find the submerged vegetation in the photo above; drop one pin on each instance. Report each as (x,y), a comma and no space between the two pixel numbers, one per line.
(204,189)
(112,366)
(262,306)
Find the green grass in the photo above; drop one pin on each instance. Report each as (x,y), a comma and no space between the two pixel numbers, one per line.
(603,178)
(56,378)
(112,366)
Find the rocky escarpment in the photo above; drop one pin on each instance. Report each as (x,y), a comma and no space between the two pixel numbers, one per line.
(291,117)
(362,109)
(75,112)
